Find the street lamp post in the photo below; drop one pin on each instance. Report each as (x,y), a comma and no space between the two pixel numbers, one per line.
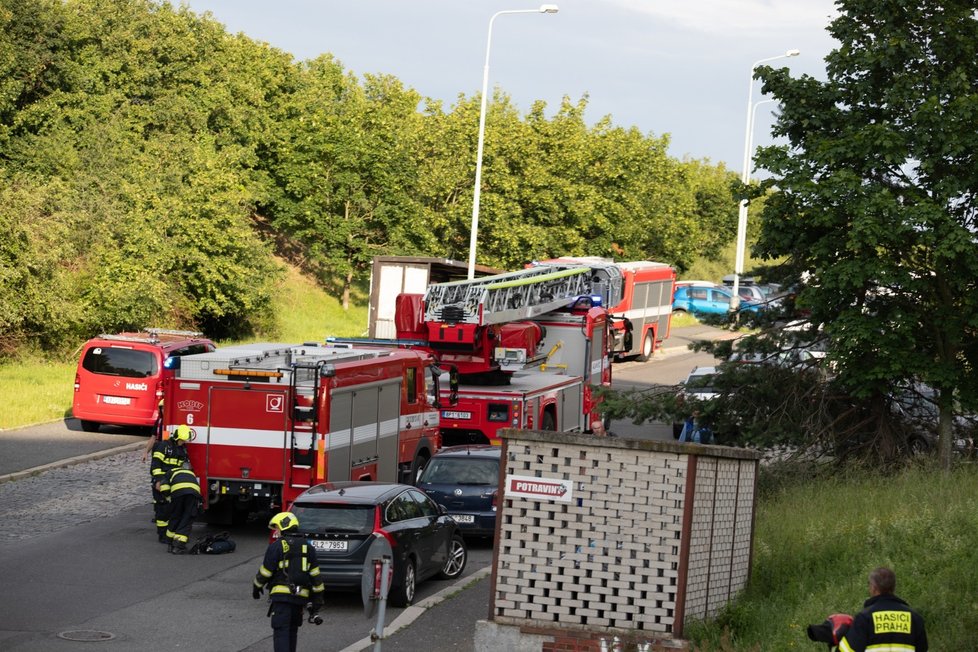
(745,177)
(544,9)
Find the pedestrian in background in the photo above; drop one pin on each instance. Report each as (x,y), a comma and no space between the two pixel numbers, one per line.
(694,431)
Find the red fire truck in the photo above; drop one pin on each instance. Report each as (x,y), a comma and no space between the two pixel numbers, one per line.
(527,352)
(638,294)
(271,420)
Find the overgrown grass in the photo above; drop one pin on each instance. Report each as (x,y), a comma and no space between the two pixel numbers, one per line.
(36,389)
(305,313)
(816,543)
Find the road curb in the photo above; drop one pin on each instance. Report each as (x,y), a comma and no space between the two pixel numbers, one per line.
(78,459)
(415,611)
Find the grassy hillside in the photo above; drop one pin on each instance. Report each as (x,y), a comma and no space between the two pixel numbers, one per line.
(303,313)
(816,543)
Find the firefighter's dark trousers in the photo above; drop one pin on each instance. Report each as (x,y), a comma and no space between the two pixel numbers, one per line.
(161,512)
(183,510)
(286,620)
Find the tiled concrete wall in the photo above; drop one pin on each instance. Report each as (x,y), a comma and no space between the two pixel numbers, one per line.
(654,532)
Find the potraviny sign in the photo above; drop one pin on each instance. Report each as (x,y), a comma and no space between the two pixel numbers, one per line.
(524,486)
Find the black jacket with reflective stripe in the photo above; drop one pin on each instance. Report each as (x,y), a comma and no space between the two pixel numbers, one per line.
(886,623)
(274,571)
(183,481)
(166,457)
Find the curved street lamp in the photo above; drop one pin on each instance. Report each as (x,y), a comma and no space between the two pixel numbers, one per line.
(544,9)
(745,177)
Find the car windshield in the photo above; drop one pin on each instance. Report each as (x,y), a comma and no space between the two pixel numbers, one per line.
(462,470)
(326,517)
(701,384)
(115,361)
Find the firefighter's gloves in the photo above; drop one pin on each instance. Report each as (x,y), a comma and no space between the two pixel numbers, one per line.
(256,592)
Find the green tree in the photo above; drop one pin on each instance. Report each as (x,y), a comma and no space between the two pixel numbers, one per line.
(344,166)
(876,198)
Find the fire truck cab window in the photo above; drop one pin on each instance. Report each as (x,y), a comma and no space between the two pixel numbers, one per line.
(112,361)
(498,412)
(412,385)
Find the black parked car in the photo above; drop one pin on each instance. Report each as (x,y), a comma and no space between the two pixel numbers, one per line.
(465,480)
(340,519)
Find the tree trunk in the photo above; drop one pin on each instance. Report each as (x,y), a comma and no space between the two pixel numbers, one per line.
(945,432)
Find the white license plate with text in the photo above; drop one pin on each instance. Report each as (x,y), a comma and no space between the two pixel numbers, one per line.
(116,400)
(463,518)
(329,545)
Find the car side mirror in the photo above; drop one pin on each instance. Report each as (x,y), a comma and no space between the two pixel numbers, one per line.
(442,509)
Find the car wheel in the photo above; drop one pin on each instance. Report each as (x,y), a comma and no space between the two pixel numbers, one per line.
(918,446)
(457,556)
(403,594)
(648,347)
(89,426)
(420,464)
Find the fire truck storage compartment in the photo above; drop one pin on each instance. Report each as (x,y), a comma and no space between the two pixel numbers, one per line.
(251,440)
(363,427)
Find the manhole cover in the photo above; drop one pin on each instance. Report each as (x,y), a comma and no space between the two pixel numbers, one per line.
(89,635)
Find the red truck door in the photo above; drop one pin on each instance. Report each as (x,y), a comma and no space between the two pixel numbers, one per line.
(246,434)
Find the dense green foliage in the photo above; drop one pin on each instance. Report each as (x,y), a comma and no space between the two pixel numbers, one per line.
(151,164)
(877,196)
(815,543)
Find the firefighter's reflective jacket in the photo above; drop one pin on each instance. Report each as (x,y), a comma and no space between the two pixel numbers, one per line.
(291,571)
(886,623)
(182,481)
(167,456)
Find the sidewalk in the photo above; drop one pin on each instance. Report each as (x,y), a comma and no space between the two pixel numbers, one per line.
(444,622)
(680,338)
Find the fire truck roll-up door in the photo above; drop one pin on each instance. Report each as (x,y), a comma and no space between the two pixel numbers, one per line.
(363,431)
(251,442)
(570,411)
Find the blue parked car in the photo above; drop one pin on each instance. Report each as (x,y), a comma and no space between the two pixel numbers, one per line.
(465,480)
(706,300)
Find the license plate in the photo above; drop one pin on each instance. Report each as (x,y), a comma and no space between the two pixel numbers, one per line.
(116,400)
(329,545)
(449,414)
(464,518)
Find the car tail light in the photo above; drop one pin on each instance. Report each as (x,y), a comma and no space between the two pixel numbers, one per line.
(378,529)
(159,390)
(77,382)
(495,499)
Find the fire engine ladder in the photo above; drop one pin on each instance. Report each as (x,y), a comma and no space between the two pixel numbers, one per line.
(304,383)
(505,297)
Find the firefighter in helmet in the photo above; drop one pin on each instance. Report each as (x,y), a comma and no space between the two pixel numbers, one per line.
(290,571)
(168,454)
(184,494)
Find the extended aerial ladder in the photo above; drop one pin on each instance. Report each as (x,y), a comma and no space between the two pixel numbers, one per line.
(510,297)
